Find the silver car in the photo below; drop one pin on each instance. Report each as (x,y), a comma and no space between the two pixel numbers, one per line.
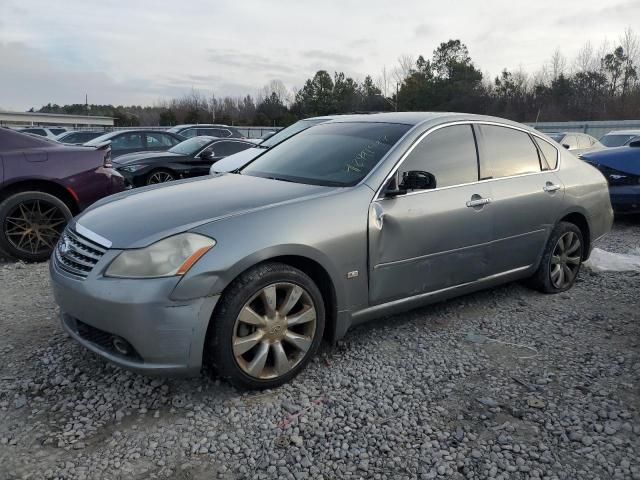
(344,222)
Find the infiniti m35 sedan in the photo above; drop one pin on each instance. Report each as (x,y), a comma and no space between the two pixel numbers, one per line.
(349,220)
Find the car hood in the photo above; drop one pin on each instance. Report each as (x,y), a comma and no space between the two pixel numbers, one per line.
(237,160)
(141,157)
(142,216)
(624,159)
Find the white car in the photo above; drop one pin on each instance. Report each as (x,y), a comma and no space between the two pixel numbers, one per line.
(48,132)
(620,138)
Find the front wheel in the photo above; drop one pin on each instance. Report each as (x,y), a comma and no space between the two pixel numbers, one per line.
(159,176)
(561,260)
(267,327)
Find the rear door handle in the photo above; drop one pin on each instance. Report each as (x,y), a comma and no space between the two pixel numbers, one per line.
(478,202)
(551,187)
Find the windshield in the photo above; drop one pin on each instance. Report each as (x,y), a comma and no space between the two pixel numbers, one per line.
(331,154)
(616,140)
(556,136)
(289,132)
(191,146)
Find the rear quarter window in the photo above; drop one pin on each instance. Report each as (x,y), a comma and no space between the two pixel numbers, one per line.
(549,152)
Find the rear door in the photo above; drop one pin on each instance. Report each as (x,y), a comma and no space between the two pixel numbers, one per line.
(526,194)
(428,240)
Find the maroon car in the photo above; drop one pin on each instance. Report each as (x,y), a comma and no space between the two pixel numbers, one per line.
(42,185)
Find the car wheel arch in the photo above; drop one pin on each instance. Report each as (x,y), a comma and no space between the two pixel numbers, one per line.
(320,272)
(42,185)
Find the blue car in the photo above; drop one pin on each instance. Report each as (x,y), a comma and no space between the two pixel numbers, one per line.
(621,167)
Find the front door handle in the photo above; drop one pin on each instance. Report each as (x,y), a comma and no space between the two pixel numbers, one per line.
(478,202)
(551,187)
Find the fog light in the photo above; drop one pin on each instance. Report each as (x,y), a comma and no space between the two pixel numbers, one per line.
(121,345)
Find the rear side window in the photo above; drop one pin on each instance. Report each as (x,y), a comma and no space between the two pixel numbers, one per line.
(189,133)
(506,152)
(159,140)
(449,154)
(549,153)
(224,149)
(215,132)
(126,141)
(583,141)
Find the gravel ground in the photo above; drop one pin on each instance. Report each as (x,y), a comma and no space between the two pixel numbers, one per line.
(506,383)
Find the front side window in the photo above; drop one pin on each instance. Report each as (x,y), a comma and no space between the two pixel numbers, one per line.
(615,140)
(570,141)
(191,146)
(215,132)
(159,140)
(584,141)
(331,154)
(189,133)
(506,152)
(449,154)
(126,141)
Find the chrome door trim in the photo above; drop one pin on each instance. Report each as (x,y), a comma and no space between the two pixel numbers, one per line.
(378,197)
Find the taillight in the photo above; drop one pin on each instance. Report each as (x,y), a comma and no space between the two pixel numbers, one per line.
(106,163)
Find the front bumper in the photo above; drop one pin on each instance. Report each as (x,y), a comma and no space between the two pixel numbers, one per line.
(625,198)
(167,336)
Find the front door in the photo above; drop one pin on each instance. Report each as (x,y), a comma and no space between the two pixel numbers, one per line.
(428,240)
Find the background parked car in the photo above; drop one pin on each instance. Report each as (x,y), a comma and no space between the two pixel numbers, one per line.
(190,158)
(47,132)
(77,137)
(576,142)
(239,160)
(42,185)
(130,141)
(212,130)
(621,167)
(619,138)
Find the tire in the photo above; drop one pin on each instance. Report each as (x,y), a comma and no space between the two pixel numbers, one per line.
(159,176)
(262,333)
(557,263)
(26,210)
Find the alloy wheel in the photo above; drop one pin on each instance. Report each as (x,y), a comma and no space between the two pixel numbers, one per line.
(34,226)
(565,260)
(274,330)
(159,177)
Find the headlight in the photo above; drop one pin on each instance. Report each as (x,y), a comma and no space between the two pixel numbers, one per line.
(131,168)
(171,256)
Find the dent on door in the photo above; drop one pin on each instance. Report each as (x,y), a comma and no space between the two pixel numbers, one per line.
(425,243)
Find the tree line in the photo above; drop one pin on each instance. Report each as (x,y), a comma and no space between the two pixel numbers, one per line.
(599,84)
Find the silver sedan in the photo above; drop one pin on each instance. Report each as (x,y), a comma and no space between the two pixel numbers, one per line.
(349,220)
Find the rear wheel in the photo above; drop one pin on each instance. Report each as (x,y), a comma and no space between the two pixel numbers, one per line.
(268,326)
(31,224)
(159,176)
(561,260)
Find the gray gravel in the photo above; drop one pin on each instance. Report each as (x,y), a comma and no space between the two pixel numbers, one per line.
(506,383)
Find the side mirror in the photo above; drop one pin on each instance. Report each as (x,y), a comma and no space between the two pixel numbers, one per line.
(567,146)
(418,180)
(635,143)
(207,155)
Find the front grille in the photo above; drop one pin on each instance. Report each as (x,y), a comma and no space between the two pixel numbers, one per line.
(77,254)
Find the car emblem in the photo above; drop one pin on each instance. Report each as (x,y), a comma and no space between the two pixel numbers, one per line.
(63,246)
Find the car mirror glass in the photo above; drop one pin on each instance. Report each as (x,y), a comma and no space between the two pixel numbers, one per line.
(418,180)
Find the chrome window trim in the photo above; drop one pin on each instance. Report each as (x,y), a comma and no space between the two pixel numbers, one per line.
(377,196)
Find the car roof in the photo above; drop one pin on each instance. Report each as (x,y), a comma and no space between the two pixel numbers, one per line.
(191,125)
(417,118)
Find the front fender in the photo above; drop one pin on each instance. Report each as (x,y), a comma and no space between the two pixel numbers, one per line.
(214,272)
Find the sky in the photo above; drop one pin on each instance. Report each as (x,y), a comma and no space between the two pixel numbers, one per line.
(141,51)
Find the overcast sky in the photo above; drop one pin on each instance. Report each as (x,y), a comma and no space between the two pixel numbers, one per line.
(139,51)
